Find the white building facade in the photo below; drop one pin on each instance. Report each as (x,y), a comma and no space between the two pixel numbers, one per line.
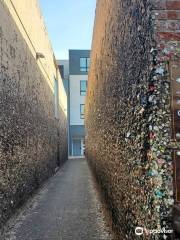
(79,61)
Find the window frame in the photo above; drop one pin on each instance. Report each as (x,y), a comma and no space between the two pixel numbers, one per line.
(82,115)
(85,68)
(81,90)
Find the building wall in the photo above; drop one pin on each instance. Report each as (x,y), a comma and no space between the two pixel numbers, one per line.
(76,123)
(65,63)
(74,61)
(32,141)
(128,118)
(76,99)
(65,68)
(76,132)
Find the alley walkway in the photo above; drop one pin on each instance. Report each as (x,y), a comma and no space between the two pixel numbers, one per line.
(66,208)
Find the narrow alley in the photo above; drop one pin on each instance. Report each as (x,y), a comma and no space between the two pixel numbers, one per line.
(89,83)
(66,207)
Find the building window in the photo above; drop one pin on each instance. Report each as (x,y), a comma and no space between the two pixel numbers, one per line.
(56,98)
(82,108)
(83,87)
(84,64)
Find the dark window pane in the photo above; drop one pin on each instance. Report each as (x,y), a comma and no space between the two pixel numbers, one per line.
(83,87)
(83,62)
(82,108)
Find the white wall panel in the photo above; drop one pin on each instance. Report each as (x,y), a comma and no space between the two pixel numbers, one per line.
(76,99)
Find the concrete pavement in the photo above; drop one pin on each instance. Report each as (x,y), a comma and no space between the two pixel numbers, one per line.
(67,207)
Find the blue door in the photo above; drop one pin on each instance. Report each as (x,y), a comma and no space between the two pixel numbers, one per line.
(77,147)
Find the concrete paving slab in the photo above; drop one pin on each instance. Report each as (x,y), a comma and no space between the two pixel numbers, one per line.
(67,207)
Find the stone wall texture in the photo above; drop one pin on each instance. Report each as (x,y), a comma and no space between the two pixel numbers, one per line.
(33,141)
(128,111)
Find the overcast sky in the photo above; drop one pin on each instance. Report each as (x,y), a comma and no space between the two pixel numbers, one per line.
(69,23)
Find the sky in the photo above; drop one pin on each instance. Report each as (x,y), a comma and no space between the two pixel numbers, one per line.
(69,24)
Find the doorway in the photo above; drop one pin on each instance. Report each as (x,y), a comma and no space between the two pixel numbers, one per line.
(78,147)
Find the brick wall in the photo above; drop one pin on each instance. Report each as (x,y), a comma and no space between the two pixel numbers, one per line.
(32,141)
(128,119)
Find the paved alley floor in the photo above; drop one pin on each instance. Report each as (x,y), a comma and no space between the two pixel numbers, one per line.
(67,207)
